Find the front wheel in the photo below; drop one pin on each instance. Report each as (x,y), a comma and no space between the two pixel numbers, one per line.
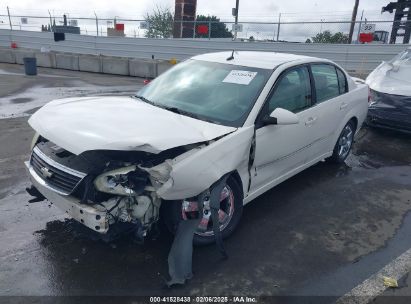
(229,214)
(344,143)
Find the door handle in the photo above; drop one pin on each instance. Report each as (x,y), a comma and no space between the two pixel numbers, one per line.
(310,121)
(343,105)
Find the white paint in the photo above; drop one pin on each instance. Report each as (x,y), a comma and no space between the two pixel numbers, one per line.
(193,173)
(374,286)
(262,60)
(119,123)
(240,77)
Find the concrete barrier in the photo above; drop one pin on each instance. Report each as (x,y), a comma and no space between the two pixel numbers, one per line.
(115,65)
(145,68)
(90,63)
(162,66)
(67,61)
(46,59)
(20,54)
(7,56)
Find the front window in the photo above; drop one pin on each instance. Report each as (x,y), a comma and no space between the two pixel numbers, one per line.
(292,92)
(216,92)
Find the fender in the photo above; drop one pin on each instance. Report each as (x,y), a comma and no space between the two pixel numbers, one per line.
(193,172)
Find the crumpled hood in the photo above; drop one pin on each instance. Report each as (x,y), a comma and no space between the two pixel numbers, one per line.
(391,79)
(119,123)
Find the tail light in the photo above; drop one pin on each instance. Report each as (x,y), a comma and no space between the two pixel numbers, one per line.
(146,81)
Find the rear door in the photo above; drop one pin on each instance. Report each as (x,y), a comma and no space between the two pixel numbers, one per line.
(331,105)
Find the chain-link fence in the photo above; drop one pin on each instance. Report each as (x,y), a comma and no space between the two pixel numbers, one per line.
(295,31)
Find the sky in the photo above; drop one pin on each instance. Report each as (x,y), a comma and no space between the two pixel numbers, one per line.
(249,10)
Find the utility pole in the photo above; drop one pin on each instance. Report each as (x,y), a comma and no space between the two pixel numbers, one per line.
(353,19)
(51,21)
(8,12)
(278,27)
(237,4)
(96,22)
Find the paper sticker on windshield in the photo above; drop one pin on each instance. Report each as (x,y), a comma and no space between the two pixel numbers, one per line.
(240,77)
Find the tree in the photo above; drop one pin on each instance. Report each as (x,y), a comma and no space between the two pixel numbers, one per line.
(218,28)
(328,37)
(159,23)
(308,40)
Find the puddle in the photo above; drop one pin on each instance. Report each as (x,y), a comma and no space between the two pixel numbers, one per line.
(21,100)
(22,104)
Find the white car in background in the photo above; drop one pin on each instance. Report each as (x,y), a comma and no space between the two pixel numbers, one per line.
(238,122)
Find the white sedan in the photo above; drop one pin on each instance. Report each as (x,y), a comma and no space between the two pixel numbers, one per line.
(238,123)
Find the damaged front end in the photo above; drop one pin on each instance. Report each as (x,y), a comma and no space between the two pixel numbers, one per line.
(101,188)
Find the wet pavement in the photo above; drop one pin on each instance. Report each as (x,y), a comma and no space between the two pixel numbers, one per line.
(322,232)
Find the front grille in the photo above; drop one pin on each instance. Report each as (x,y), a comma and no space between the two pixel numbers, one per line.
(58,177)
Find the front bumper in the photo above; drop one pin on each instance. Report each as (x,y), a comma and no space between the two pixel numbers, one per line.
(89,215)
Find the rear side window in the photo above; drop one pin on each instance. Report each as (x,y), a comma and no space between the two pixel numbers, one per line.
(342,81)
(326,81)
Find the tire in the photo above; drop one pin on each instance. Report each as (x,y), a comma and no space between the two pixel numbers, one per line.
(344,143)
(172,213)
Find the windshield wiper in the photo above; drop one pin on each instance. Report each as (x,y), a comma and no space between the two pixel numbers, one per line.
(175,110)
(181,112)
(145,100)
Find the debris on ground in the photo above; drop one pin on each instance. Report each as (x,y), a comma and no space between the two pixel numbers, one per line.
(390,282)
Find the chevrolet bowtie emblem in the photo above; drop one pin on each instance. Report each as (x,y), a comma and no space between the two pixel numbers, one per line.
(46,172)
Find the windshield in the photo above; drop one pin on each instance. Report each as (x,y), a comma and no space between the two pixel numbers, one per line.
(216,92)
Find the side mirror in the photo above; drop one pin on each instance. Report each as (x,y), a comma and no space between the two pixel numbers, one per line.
(281,117)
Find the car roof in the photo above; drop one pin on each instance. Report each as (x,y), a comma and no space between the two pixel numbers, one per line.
(262,60)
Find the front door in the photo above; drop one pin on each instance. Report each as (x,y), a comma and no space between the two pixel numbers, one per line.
(280,149)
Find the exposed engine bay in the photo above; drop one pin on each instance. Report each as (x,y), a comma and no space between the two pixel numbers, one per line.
(116,183)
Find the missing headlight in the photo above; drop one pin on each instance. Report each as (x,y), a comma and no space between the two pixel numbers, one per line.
(123,181)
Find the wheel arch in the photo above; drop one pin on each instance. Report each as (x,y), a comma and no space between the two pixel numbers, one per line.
(237,178)
(354,119)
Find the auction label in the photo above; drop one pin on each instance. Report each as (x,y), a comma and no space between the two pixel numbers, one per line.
(240,77)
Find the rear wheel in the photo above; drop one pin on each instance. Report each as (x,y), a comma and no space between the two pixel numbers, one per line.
(231,209)
(344,143)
